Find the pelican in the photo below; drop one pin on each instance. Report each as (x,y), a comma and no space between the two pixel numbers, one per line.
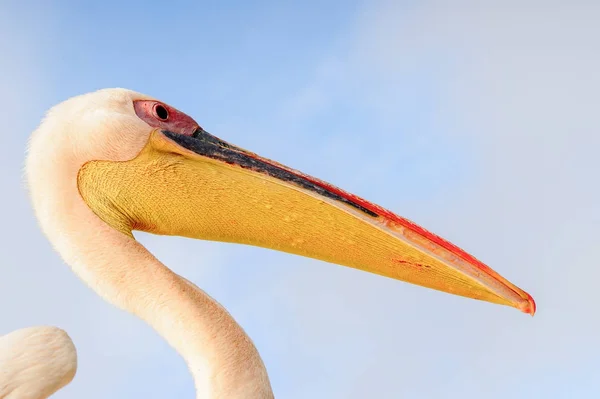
(35,362)
(104,164)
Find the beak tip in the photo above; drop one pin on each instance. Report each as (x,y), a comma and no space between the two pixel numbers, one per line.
(527,305)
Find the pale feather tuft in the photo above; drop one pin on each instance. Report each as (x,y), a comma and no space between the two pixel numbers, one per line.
(36,362)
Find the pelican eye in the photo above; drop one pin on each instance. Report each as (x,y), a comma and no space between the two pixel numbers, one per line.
(161,112)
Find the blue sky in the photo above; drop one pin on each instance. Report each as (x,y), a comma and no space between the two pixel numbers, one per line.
(479,122)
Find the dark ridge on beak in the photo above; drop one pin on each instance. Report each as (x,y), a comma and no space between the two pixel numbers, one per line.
(205,144)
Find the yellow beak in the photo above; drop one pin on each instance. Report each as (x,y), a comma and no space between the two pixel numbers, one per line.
(202,187)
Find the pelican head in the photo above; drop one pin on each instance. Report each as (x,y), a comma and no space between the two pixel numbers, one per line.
(140,164)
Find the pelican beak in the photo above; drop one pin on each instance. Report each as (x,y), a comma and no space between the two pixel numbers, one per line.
(201,187)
